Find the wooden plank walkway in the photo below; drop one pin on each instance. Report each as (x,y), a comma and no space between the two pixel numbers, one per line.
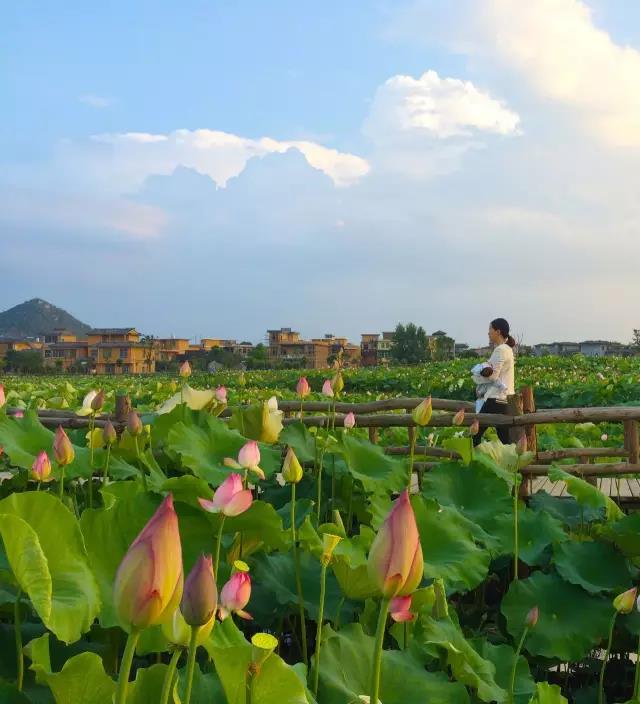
(620,487)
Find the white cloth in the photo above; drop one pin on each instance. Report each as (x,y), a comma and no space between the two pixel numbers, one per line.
(502,363)
(487,387)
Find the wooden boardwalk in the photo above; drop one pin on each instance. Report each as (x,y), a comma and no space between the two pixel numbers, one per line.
(617,488)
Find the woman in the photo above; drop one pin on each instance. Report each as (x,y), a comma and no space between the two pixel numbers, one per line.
(500,370)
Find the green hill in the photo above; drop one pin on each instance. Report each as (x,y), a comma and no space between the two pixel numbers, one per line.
(35,317)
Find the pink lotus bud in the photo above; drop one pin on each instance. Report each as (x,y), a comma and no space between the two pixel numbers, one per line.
(18,414)
(302,387)
(134,424)
(532,617)
(185,369)
(230,498)
(327,389)
(235,596)
(291,469)
(474,428)
(3,398)
(221,394)
(62,448)
(41,467)
(604,437)
(349,420)
(109,434)
(148,584)
(421,414)
(458,418)
(521,445)
(395,561)
(400,609)
(625,602)
(248,458)
(200,595)
(97,402)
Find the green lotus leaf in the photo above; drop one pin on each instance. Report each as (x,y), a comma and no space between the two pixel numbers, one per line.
(565,509)
(586,493)
(625,534)
(368,464)
(548,694)
(536,532)
(297,436)
(594,566)
(502,657)
(462,445)
(449,547)
(563,631)
(346,661)
(75,598)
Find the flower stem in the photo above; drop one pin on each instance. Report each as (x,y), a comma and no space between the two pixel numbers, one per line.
(125,667)
(218,544)
(604,661)
(170,676)
(143,474)
(296,560)
(105,473)
(512,682)
(18,629)
(516,546)
(412,450)
(92,425)
(377,651)
(323,586)
(636,682)
(191,662)
(61,486)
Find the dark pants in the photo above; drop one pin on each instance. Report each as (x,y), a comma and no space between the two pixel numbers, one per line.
(491,405)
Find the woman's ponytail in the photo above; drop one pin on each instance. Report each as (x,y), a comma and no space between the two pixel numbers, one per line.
(510,341)
(502,326)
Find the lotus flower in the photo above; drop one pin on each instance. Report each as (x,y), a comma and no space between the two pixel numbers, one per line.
(87,408)
(271,421)
(292,471)
(62,448)
(395,561)
(200,595)
(474,428)
(18,414)
(148,584)
(329,544)
(98,401)
(421,414)
(109,434)
(458,418)
(185,369)
(521,445)
(248,459)
(3,398)
(327,389)
(400,609)
(532,617)
(235,596)
(302,387)
(625,602)
(221,394)
(230,498)
(349,420)
(41,467)
(177,631)
(134,424)
(604,437)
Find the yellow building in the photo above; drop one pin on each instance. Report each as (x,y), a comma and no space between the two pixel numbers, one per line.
(119,351)
(63,355)
(170,348)
(59,335)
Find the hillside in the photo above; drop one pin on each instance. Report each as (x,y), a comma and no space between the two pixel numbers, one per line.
(34,317)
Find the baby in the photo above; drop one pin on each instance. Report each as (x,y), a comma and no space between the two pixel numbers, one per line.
(484,385)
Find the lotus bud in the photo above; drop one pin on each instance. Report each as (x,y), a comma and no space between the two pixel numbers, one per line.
(148,584)
(176,630)
(263,644)
(337,384)
(98,401)
(349,420)
(292,471)
(272,404)
(19,414)
(474,428)
(248,459)
(521,445)
(327,389)
(329,544)
(221,394)
(532,617)
(41,467)
(230,498)
(235,596)
(200,596)
(63,451)
(134,424)
(302,387)
(3,398)
(604,437)
(242,380)
(624,602)
(185,370)
(458,418)
(400,609)
(395,563)
(109,433)
(421,414)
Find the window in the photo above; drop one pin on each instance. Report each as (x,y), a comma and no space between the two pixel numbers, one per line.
(125,368)
(110,368)
(124,352)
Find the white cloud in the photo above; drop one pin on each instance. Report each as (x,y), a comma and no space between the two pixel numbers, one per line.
(133,156)
(96,101)
(438,107)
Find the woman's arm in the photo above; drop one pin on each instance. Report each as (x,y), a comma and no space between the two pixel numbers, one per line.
(496,361)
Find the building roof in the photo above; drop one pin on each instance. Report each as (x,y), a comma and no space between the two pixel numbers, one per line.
(122,343)
(111,331)
(66,345)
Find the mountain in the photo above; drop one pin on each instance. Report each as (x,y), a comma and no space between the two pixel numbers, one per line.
(35,317)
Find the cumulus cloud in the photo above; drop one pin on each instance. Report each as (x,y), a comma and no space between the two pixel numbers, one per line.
(220,155)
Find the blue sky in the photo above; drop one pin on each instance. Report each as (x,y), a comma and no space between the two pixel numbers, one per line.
(337,167)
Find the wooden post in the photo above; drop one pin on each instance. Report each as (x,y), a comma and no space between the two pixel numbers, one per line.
(373,435)
(123,407)
(631,444)
(514,408)
(529,406)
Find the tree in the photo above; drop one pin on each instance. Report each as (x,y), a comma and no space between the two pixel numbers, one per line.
(409,344)
(441,346)
(26,362)
(636,337)
(258,358)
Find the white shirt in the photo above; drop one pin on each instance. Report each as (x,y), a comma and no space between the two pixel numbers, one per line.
(503,370)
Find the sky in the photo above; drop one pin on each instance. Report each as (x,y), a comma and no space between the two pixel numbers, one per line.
(215,169)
